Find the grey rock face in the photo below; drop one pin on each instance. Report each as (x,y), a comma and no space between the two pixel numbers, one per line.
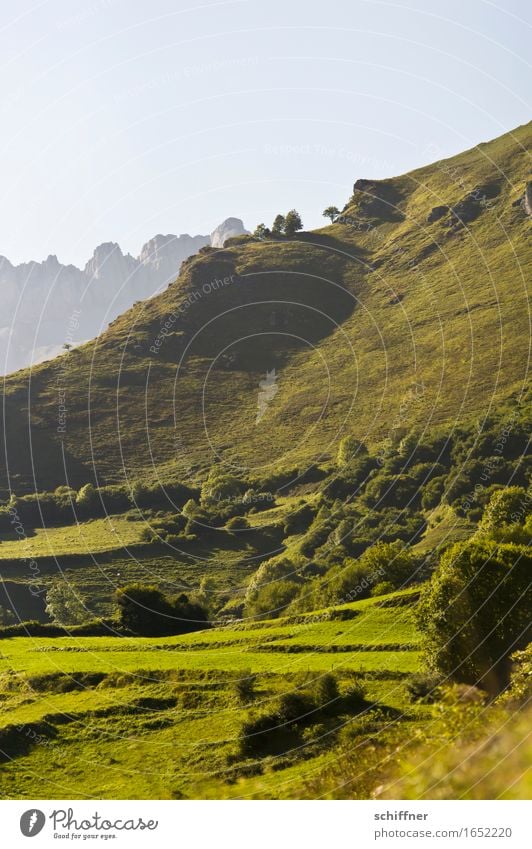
(47,304)
(228,228)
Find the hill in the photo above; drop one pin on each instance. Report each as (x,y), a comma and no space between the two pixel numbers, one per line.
(274,523)
(411,308)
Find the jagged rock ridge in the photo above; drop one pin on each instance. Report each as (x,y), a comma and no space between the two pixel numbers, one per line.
(47,304)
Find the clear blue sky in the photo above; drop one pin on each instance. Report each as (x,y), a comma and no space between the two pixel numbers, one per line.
(125,118)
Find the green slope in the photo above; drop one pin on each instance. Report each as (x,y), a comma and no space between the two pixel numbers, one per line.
(385,319)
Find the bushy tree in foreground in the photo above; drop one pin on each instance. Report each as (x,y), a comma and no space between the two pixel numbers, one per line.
(476,611)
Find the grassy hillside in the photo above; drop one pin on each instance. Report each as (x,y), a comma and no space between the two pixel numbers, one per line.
(385,319)
(315,450)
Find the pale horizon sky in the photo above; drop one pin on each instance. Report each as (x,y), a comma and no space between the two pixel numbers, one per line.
(126,118)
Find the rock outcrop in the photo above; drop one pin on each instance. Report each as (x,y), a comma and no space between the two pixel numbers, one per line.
(377,199)
(228,228)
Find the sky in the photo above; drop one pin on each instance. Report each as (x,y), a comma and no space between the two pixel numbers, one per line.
(126,118)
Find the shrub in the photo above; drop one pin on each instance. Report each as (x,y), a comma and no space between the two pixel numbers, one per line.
(237,523)
(298,520)
(475,612)
(143,609)
(64,605)
(383,588)
(508,506)
(424,688)
(350,449)
(87,496)
(272,599)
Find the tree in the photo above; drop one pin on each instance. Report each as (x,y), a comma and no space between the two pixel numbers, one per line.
(331,212)
(391,561)
(64,605)
(271,600)
(278,225)
(262,232)
(87,497)
(292,222)
(506,507)
(475,612)
(145,610)
(349,449)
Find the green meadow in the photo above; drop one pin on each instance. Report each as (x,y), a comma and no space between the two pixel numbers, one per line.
(329,599)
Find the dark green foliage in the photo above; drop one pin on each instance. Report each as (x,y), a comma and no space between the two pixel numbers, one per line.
(298,520)
(331,212)
(424,687)
(476,611)
(278,225)
(64,604)
(508,506)
(261,231)
(392,563)
(143,609)
(292,222)
(433,492)
(271,600)
(382,589)
(318,699)
(392,491)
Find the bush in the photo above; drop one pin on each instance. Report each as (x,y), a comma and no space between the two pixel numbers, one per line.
(237,523)
(298,520)
(350,449)
(424,688)
(144,610)
(475,612)
(383,588)
(64,605)
(508,506)
(271,600)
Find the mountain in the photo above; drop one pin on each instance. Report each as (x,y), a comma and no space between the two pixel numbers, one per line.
(410,310)
(47,304)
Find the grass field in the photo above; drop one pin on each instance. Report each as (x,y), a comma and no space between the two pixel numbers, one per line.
(97,717)
(91,537)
